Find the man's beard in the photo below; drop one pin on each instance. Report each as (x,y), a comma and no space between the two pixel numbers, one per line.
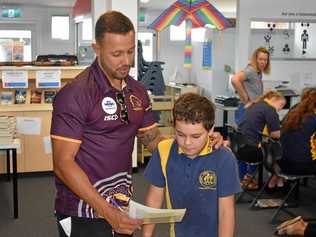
(117,77)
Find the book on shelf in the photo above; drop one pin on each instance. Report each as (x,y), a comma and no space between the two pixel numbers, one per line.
(49,96)
(7,129)
(6,140)
(36,96)
(20,96)
(7,97)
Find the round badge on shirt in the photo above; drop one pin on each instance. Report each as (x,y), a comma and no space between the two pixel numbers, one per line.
(109,105)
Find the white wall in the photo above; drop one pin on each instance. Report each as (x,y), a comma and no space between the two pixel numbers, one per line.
(271,10)
(39,19)
(172,53)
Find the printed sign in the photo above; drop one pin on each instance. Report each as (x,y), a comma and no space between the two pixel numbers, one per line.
(14,79)
(48,79)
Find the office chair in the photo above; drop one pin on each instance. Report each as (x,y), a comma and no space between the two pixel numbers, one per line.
(273,152)
(239,141)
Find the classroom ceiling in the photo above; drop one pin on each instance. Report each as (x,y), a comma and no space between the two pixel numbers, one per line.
(51,3)
(222,5)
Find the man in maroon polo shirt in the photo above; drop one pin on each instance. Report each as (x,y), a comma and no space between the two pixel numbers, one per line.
(94,124)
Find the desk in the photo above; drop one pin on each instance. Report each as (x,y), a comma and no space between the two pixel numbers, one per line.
(225,110)
(13,148)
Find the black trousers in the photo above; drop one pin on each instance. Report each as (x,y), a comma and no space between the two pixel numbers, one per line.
(249,153)
(298,168)
(86,227)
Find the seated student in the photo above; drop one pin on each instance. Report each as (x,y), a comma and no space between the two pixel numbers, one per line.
(305,92)
(192,175)
(299,137)
(299,228)
(261,117)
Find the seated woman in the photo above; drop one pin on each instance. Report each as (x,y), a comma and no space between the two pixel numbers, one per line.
(299,137)
(261,117)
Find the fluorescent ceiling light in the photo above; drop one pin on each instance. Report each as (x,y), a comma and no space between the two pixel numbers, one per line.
(144,1)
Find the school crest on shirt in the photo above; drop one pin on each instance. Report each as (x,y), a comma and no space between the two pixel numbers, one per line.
(208,180)
(136,103)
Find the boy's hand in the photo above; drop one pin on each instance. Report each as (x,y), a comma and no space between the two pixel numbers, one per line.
(217,140)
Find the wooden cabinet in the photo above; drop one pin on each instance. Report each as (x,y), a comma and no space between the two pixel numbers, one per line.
(32,157)
(162,107)
(176,89)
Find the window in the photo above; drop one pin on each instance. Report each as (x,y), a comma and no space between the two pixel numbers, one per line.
(177,33)
(147,43)
(15,45)
(87,29)
(60,27)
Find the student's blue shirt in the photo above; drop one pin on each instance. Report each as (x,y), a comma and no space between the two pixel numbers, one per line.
(196,184)
(296,143)
(256,118)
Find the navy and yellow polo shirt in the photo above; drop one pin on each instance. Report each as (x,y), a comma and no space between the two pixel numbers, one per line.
(88,112)
(259,118)
(299,145)
(195,184)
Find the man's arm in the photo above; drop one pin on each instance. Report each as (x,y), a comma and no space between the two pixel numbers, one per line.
(226,216)
(237,83)
(154,198)
(150,138)
(75,178)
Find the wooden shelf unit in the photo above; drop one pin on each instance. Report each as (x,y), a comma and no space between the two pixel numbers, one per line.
(32,156)
(163,104)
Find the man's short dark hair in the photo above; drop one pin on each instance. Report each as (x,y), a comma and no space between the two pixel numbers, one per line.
(194,108)
(112,22)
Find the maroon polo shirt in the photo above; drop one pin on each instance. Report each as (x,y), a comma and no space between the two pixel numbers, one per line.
(88,112)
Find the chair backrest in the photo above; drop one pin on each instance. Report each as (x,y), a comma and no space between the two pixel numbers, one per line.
(272,152)
(237,140)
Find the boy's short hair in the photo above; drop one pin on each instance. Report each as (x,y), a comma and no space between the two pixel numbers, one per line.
(194,108)
(112,22)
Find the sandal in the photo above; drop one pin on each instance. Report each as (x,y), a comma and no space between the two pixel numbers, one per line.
(248,183)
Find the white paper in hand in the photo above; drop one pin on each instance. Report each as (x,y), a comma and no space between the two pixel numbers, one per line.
(66,225)
(154,215)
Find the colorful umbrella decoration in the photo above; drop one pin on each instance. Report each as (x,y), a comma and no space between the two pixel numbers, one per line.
(195,13)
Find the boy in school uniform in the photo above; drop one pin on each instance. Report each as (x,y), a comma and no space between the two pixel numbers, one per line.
(192,175)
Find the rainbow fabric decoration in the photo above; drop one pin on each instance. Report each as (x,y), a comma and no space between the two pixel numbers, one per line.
(196,13)
(188,45)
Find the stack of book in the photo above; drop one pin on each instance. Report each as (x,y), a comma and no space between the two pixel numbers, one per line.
(7,129)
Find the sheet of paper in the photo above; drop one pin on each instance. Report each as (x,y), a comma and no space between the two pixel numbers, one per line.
(154,215)
(66,224)
(28,125)
(48,78)
(47,145)
(14,79)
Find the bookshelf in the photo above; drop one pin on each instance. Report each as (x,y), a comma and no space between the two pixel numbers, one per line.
(33,157)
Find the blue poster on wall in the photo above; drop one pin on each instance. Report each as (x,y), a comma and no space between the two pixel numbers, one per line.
(207,55)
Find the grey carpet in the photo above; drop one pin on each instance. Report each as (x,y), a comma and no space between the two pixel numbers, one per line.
(36,195)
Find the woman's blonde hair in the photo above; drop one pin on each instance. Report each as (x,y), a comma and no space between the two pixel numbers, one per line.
(269,95)
(253,61)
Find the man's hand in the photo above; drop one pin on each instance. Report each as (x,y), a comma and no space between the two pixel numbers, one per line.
(150,138)
(216,140)
(122,223)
